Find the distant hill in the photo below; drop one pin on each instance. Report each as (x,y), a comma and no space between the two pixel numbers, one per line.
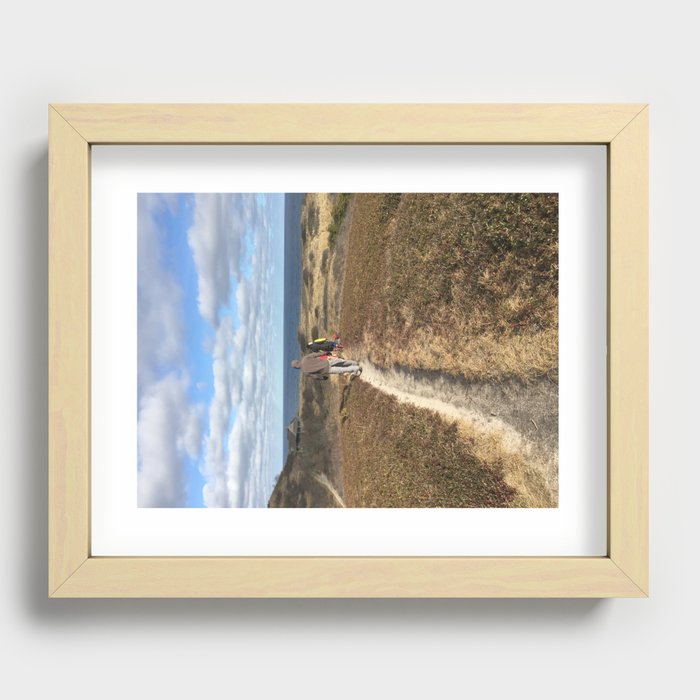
(304,482)
(297,486)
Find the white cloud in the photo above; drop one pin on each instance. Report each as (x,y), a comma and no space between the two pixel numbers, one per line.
(237,456)
(191,439)
(160,327)
(242,299)
(222,224)
(169,428)
(215,493)
(163,415)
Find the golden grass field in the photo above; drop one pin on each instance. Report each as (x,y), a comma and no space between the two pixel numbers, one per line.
(463,283)
(405,457)
(457,284)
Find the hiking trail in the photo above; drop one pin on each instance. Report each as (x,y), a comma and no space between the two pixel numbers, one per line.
(325,482)
(523,415)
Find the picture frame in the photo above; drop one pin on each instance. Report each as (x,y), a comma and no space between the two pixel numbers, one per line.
(75,573)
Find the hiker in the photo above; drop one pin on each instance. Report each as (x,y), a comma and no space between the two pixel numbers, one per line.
(321,345)
(325,344)
(320,365)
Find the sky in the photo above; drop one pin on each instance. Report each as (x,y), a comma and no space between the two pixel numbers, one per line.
(210,308)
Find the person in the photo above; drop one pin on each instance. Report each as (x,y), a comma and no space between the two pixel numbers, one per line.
(321,345)
(320,365)
(325,344)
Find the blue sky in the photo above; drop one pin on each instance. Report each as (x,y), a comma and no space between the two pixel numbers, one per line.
(210,305)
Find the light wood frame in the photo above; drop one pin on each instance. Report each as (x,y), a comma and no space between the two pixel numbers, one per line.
(73,572)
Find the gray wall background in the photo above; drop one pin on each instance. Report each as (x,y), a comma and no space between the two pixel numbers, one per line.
(366,52)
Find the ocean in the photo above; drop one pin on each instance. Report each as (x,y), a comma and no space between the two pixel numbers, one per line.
(292,307)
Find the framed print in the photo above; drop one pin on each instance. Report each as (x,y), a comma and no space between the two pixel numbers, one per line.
(348,350)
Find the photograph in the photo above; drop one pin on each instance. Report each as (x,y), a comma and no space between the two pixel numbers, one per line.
(348,350)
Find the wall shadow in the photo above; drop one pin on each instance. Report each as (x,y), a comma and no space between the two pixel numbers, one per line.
(32,570)
(33,293)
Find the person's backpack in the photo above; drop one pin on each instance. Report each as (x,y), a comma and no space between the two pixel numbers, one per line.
(321,345)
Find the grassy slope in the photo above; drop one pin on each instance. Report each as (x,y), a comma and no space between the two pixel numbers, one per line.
(320,455)
(464,283)
(460,283)
(297,487)
(412,458)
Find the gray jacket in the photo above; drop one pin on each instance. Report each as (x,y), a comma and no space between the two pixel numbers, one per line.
(315,365)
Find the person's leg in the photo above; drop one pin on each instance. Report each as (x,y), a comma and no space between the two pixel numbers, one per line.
(344,368)
(340,362)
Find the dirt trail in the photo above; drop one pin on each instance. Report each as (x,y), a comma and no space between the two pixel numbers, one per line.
(525,416)
(325,482)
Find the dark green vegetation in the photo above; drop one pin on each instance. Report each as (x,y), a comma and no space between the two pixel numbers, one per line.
(339,208)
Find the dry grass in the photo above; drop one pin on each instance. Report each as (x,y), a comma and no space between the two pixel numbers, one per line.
(464,283)
(533,482)
(316,219)
(339,208)
(309,479)
(413,458)
(484,357)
